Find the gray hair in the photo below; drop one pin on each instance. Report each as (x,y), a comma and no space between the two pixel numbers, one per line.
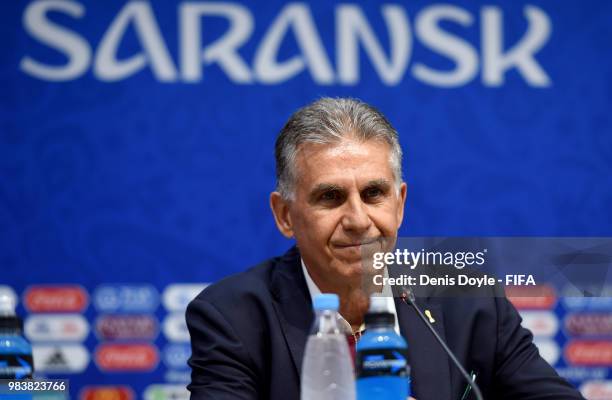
(329,120)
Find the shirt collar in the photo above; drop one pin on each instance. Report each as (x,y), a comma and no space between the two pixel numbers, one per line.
(314,290)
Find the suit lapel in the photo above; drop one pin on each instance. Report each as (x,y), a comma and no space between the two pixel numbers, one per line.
(430,365)
(292,304)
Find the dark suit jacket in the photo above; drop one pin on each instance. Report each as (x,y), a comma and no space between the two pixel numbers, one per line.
(248,334)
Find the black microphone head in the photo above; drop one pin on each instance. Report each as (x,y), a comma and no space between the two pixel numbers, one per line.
(408,294)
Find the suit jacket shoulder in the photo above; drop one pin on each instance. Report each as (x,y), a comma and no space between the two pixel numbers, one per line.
(240,337)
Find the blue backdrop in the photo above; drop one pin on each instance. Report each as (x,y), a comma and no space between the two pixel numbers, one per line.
(136,138)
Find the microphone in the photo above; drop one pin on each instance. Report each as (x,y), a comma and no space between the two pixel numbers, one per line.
(408,294)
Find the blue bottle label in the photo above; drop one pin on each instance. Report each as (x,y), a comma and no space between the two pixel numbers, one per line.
(377,362)
(16,366)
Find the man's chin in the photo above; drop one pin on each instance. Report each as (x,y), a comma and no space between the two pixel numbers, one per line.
(358,269)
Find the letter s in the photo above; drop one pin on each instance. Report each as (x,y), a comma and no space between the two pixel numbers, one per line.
(69,43)
(458,50)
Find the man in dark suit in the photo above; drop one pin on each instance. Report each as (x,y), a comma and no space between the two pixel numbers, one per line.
(340,194)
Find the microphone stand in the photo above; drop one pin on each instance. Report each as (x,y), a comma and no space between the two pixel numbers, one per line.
(407,293)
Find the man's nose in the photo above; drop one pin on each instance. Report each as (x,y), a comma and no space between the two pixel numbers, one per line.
(356,217)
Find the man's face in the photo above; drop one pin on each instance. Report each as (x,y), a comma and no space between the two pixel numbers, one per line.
(345,203)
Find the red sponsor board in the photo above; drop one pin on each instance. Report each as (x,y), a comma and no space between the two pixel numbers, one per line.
(69,298)
(541,297)
(589,324)
(112,327)
(589,353)
(126,357)
(107,393)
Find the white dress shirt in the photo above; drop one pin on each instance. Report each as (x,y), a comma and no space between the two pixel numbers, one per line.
(314,290)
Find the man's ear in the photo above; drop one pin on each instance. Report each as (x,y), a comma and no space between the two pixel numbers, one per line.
(402,202)
(280,209)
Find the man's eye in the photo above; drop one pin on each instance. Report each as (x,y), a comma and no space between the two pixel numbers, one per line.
(330,196)
(373,193)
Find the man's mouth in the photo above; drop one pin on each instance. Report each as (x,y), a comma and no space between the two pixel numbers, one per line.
(356,244)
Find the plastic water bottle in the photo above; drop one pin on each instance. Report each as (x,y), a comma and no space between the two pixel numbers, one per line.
(381,364)
(15,351)
(327,370)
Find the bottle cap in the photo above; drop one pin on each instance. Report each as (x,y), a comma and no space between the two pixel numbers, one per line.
(378,304)
(326,301)
(379,312)
(8,320)
(7,305)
